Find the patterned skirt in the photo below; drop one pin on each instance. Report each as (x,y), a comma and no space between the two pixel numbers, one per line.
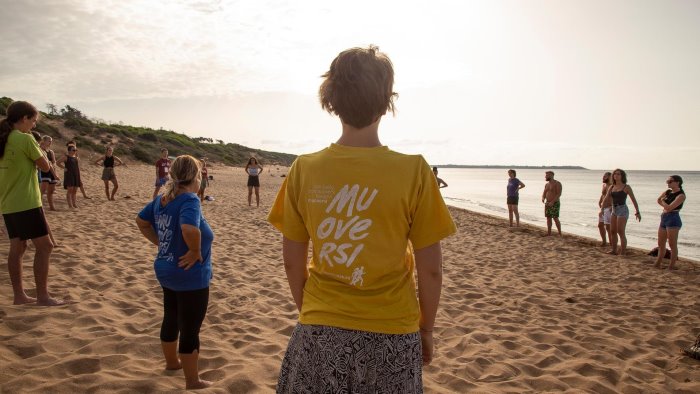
(322,359)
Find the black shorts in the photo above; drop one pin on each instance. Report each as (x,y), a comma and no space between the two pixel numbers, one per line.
(512,200)
(26,224)
(253,181)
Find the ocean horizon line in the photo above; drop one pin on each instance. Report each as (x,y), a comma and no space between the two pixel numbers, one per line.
(533,167)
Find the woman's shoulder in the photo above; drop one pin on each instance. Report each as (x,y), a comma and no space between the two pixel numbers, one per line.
(189,198)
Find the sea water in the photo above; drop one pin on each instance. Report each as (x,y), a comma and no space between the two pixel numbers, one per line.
(484,190)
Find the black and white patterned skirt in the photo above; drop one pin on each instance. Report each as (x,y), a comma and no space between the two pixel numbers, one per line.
(322,359)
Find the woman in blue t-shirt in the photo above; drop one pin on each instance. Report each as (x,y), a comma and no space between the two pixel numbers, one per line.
(173,221)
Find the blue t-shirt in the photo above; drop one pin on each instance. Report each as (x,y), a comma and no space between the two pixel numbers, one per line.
(166,221)
(513,187)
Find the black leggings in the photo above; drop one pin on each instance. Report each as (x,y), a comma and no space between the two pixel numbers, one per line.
(183,313)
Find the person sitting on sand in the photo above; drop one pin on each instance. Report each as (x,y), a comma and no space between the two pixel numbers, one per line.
(253,169)
(71,175)
(20,201)
(109,161)
(618,193)
(512,197)
(551,199)
(605,205)
(162,171)
(174,222)
(441,183)
(357,299)
(671,201)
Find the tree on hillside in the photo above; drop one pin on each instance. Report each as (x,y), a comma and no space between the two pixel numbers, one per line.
(72,113)
(52,109)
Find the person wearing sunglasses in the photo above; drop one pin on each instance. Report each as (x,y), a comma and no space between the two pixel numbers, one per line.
(671,200)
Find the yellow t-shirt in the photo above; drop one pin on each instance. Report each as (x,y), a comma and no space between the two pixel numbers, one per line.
(19,179)
(360,207)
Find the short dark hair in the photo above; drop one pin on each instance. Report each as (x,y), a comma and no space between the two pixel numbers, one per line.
(511,171)
(358,87)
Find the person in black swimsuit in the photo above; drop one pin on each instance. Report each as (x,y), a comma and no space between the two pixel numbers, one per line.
(109,161)
(618,192)
(671,201)
(71,175)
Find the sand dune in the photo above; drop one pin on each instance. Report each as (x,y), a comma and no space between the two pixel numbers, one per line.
(519,313)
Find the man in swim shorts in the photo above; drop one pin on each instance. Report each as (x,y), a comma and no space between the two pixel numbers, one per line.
(550,198)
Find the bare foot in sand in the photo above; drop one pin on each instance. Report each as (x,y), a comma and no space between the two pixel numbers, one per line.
(612,252)
(200,384)
(51,302)
(174,367)
(24,300)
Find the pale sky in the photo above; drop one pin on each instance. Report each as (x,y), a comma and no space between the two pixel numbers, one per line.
(601,84)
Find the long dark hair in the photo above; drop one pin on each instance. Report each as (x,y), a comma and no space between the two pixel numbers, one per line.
(15,112)
(623,176)
(250,164)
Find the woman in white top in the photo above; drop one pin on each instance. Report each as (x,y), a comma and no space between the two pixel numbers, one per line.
(253,169)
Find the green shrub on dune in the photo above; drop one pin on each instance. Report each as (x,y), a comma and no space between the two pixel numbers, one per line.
(141,143)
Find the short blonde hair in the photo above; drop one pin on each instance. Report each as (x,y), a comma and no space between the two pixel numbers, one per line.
(358,87)
(184,170)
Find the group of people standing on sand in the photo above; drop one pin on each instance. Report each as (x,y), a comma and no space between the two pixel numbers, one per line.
(70,163)
(614,213)
(550,198)
(361,326)
(366,322)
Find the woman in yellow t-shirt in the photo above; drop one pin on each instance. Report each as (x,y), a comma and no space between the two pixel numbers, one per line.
(373,216)
(20,201)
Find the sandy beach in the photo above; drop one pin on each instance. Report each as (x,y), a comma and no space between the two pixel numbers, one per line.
(519,312)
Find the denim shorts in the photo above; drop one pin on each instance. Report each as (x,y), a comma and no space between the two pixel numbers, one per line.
(621,211)
(605,217)
(671,220)
(162,181)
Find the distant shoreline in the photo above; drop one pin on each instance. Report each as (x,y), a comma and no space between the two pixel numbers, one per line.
(516,167)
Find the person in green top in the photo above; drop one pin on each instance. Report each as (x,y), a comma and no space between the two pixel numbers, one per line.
(20,201)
